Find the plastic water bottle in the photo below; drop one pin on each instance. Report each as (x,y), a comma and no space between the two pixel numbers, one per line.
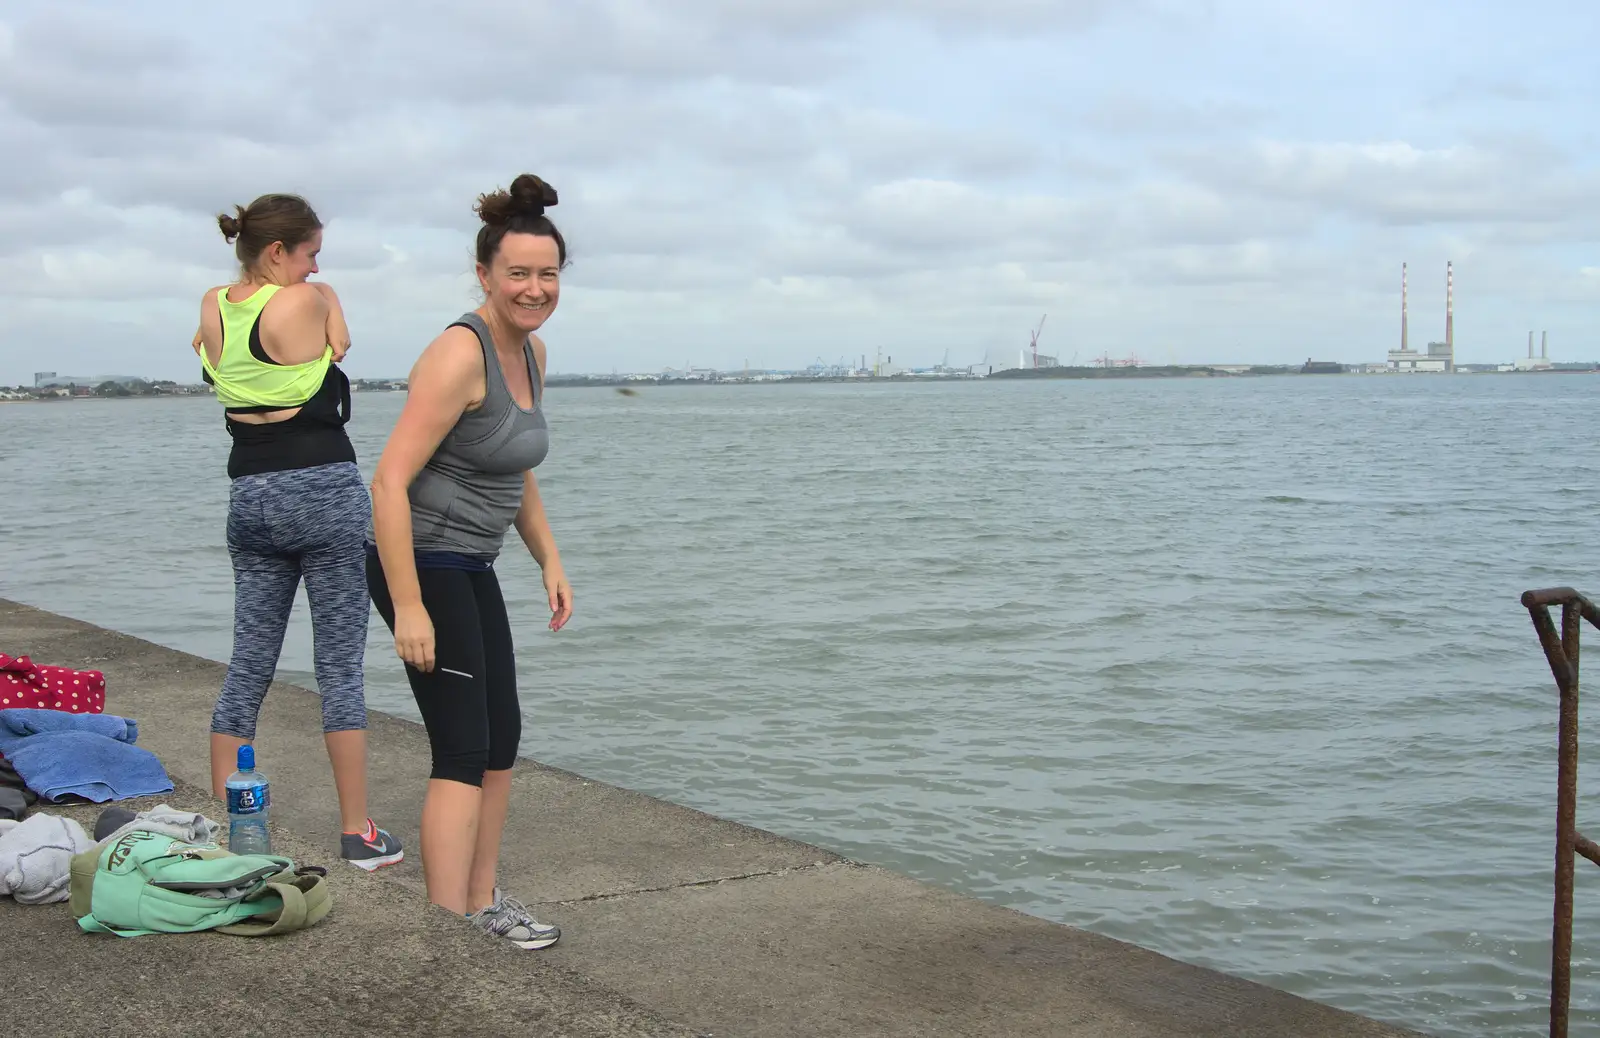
(248,801)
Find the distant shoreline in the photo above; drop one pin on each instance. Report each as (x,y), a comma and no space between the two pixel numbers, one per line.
(1008,375)
(105,399)
(1031,374)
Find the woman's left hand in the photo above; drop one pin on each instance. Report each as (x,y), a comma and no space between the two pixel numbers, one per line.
(560,592)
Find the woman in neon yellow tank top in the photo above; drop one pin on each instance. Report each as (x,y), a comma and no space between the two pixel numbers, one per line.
(297,505)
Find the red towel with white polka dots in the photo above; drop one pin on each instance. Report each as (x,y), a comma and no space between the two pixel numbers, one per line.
(24,683)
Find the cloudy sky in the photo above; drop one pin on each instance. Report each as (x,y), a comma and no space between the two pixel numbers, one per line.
(784,180)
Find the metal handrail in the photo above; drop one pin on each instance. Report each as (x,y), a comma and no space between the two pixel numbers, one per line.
(1562,651)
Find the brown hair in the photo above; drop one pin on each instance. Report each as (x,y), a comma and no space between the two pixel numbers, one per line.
(270,218)
(517,211)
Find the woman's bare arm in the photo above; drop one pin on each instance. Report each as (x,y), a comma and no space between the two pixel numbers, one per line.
(338,332)
(444,382)
(533,526)
(210,317)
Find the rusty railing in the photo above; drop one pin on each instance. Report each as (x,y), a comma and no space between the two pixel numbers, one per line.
(1562,650)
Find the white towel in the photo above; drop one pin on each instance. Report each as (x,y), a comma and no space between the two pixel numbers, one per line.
(36,858)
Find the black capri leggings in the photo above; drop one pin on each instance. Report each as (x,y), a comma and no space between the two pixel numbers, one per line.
(469,700)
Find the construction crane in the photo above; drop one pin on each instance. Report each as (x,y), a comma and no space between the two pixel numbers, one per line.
(1035,342)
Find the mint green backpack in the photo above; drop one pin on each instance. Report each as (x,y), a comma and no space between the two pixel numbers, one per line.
(144,882)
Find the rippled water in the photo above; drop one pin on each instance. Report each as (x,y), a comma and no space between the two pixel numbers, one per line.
(1234,669)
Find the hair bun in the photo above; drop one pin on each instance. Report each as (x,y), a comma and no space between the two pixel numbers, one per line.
(529,197)
(231,226)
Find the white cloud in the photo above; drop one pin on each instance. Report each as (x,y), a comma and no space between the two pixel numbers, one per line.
(1396,182)
(746,178)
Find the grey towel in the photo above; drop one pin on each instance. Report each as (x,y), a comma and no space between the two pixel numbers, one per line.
(188,826)
(13,804)
(36,858)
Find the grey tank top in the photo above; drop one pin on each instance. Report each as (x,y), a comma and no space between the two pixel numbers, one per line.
(466,497)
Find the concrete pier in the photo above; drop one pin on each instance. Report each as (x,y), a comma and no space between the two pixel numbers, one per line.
(675,923)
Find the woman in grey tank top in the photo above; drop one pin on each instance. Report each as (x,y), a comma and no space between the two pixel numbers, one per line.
(455,477)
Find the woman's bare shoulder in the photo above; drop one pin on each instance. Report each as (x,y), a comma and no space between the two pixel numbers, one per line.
(449,375)
(303,293)
(297,302)
(455,351)
(325,290)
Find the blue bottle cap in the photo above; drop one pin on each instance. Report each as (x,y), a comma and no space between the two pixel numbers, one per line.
(247,757)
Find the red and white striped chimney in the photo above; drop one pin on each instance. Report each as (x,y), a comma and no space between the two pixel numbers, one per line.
(1450,305)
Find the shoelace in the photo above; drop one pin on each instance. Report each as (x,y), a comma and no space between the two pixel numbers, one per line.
(520,911)
(496,918)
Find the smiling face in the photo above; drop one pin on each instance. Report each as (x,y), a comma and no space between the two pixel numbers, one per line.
(301,261)
(523,282)
(284,266)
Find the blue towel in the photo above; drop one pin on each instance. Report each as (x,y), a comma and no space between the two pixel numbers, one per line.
(88,755)
(19,723)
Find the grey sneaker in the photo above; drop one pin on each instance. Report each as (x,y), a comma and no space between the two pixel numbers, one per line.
(372,849)
(510,918)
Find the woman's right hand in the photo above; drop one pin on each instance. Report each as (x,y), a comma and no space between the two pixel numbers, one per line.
(413,637)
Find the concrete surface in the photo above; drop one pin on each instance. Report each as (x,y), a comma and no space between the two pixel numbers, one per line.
(384,962)
(674,922)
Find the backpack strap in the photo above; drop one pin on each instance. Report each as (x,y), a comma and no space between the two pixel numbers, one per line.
(89,924)
(303,901)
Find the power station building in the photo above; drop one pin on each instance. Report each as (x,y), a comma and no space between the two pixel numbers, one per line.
(1005,360)
(1441,356)
(1539,363)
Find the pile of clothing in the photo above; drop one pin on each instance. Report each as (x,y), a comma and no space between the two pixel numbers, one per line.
(88,756)
(57,742)
(158,871)
(36,854)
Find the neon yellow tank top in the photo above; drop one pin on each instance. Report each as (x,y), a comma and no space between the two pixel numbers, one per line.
(244,378)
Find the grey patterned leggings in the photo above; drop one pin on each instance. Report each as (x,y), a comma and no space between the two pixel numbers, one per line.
(281,526)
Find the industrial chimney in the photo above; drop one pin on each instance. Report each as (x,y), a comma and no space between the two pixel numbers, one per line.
(1450,307)
(1402,306)
(1544,345)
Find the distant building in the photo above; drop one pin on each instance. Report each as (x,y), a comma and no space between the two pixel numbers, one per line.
(1442,352)
(1005,360)
(1322,367)
(49,379)
(689,374)
(1408,360)
(1532,363)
